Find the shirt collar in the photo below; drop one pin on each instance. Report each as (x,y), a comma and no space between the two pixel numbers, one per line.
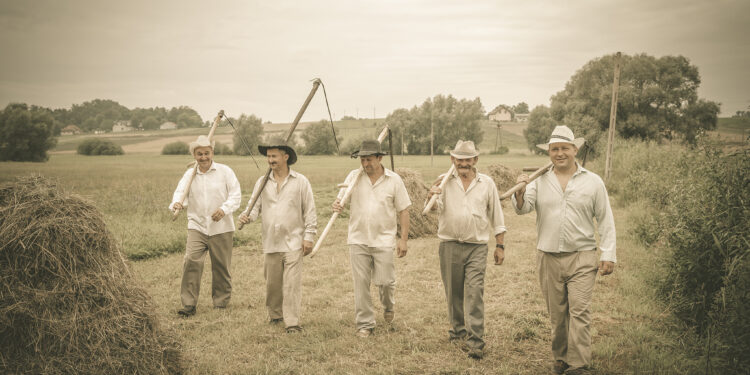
(211,168)
(389,172)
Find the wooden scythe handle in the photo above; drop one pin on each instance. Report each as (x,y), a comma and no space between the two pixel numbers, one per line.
(434,197)
(254,199)
(520,185)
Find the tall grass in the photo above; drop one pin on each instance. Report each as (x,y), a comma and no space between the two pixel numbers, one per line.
(696,207)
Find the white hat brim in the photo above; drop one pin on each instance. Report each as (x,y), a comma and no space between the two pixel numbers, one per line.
(578,142)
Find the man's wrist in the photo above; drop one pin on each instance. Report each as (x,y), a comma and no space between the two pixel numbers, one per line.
(500,246)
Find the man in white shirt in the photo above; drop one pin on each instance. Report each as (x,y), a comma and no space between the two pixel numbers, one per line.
(567,199)
(469,209)
(378,198)
(287,208)
(214,195)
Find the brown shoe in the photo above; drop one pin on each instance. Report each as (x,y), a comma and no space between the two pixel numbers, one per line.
(476,353)
(584,370)
(364,332)
(559,367)
(293,329)
(276,321)
(388,316)
(186,311)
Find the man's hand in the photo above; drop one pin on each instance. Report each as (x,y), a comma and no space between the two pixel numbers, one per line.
(244,219)
(401,248)
(606,268)
(499,256)
(337,207)
(435,188)
(522,178)
(218,215)
(307,247)
(177,206)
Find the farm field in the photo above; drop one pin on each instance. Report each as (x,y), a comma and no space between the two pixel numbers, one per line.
(631,332)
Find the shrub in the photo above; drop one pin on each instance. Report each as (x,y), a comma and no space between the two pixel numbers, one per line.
(699,200)
(222,149)
(97,146)
(176,148)
(501,150)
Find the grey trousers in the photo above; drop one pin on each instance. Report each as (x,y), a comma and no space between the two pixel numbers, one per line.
(283,273)
(376,264)
(219,247)
(462,267)
(567,281)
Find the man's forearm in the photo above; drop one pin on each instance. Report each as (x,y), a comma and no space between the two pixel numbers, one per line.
(404,222)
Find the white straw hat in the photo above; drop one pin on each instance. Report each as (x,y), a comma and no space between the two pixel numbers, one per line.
(562,134)
(202,141)
(464,150)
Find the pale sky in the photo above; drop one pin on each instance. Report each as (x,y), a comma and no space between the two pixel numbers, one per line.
(258,56)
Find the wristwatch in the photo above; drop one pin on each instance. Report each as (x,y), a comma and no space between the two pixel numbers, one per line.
(500,246)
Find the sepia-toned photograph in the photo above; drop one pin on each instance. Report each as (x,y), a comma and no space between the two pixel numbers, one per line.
(374,187)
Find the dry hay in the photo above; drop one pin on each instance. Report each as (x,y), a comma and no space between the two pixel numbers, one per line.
(504,177)
(419,225)
(68,303)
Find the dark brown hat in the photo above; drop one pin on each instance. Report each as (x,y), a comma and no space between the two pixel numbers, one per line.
(368,147)
(281,145)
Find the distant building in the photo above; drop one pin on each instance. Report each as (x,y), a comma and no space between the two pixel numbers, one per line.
(168,126)
(122,126)
(501,113)
(522,117)
(70,130)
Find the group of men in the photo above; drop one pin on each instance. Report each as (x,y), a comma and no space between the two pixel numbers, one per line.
(567,199)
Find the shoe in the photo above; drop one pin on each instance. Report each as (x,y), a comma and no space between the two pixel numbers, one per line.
(583,370)
(364,332)
(559,367)
(293,329)
(276,321)
(220,307)
(476,353)
(388,316)
(186,311)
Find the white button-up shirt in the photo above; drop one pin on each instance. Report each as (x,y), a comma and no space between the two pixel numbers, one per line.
(466,215)
(375,207)
(288,213)
(565,220)
(217,188)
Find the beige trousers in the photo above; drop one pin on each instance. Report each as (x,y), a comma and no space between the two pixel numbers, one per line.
(283,273)
(371,264)
(219,247)
(567,281)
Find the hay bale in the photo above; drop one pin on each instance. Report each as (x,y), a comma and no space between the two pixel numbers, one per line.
(419,225)
(68,302)
(504,177)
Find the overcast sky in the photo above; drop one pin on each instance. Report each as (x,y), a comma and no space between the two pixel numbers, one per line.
(258,56)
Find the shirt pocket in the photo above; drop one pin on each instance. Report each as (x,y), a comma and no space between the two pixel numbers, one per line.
(479,213)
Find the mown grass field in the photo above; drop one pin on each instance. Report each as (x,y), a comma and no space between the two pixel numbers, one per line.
(632,333)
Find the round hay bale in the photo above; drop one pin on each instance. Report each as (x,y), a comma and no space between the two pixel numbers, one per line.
(504,177)
(419,225)
(68,302)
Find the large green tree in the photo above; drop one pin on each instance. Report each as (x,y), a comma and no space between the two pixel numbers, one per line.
(319,139)
(451,119)
(26,133)
(657,98)
(185,117)
(251,129)
(97,114)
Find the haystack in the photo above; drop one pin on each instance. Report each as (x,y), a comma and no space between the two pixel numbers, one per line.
(505,178)
(419,225)
(68,302)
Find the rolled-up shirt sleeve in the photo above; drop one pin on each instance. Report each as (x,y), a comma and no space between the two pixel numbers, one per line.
(234,193)
(529,199)
(495,210)
(308,212)
(605,224)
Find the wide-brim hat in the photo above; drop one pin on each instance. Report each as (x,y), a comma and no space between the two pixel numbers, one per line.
(562,134)
(281,145)
(367,148)
(464,150)
(202,141)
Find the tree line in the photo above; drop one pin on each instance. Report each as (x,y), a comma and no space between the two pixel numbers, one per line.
(657,100)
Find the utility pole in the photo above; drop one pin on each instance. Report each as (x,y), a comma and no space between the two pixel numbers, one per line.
(612,118)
